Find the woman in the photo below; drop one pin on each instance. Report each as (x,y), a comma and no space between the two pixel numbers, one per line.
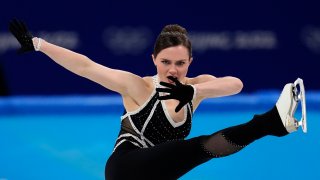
(159,109)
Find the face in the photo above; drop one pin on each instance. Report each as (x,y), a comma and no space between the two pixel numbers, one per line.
(172,61)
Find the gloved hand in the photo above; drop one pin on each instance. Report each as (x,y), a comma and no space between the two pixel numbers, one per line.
(182,93)
(20,31)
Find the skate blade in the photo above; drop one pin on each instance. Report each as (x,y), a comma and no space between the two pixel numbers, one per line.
(300,96)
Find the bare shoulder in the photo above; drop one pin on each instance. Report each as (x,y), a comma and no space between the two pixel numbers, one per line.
(138,95)
(149,81)
(200,79)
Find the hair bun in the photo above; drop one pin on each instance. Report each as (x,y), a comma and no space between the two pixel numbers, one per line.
(174,28)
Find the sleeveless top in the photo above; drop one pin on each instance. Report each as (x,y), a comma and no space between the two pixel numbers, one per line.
(151,123)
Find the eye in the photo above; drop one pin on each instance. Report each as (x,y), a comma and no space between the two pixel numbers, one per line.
(165,62)
(180,63)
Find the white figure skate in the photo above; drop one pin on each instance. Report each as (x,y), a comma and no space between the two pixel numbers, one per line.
(288,103)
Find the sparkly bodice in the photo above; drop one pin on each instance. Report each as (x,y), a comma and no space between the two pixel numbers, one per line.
(151,124)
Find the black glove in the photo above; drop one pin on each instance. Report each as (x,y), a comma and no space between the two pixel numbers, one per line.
(181,92)
(20,31)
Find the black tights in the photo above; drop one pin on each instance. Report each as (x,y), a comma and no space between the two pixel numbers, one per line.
(173,159)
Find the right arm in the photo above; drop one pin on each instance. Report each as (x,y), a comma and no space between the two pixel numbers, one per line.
(133,88)
(115,80)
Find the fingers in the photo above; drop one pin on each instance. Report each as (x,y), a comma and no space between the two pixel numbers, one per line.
(167,85)
(167,90)
(17,27)
(165,97)
(20,31)
(23,26)
(174,79)
(12,28)
(179,107)
(15,33)
(14,24)
(20,26)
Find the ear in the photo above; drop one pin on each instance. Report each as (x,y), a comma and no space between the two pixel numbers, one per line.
(154,60)
(191,59)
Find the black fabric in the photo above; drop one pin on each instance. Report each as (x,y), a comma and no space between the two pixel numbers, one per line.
(20,31)
(158,129)
(171,160)
(217,145)
(165,161)
(3,84)
(268,123)
(182,93)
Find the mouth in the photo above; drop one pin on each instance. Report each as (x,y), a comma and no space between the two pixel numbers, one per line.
(170,81)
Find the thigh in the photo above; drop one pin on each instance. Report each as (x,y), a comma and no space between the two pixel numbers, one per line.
(169,160)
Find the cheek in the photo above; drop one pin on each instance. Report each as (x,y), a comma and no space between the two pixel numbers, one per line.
(160,67)
(183,70)
(162,70)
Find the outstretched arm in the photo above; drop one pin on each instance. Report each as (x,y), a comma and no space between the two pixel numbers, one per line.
(115,80)
(200,87)
(208,86)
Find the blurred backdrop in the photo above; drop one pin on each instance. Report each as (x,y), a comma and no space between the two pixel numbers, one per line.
(71,133)
(265,43)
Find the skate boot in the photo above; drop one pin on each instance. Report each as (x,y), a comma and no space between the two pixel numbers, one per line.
(287,104)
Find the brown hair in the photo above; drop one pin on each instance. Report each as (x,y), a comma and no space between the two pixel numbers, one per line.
(172,35)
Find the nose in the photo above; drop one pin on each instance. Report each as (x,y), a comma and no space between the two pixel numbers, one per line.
(173,70)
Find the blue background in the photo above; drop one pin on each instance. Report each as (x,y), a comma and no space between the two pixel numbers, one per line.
(71,137)
(265,43)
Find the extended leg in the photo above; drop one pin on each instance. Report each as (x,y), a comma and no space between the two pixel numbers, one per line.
(279,121)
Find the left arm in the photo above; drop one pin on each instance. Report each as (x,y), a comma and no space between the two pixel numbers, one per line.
(208,86)
(204,86)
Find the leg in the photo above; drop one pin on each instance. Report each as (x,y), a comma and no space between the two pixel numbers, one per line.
(279,121)
(173,159)
(233,139)
(169,160)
